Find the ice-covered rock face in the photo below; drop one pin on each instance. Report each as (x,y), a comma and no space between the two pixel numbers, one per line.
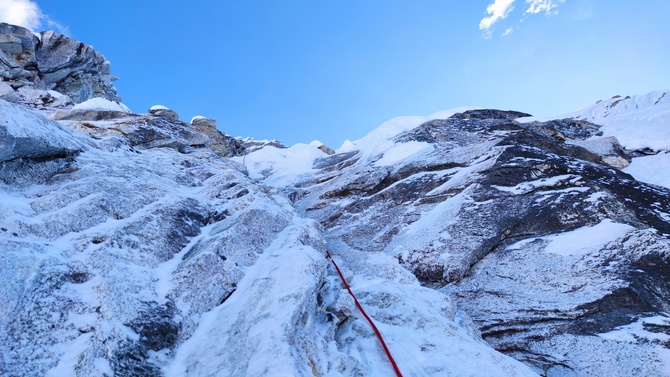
(107,265)
(158,261)
(530,227)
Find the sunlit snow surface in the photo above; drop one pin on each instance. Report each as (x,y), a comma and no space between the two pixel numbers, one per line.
(283,167)
(583,240)
(638,122)
(101,104)
(651,169)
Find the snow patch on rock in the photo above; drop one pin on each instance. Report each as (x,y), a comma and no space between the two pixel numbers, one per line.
(101,104)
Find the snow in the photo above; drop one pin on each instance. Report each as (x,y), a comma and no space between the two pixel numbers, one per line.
(101,104)
(648,169)
(197,117)
(280,167)
(275,306)
(158,107)
(635,331)
(428,229)
(403,151)
(585,240)
(580,241)
(284,167)
(378,141)
(636,121)
(269,307)
(526,187)
(71,354)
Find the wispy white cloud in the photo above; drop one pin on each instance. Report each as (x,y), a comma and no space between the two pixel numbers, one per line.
(497,11)
(500,9)
(28,14)
(537,6)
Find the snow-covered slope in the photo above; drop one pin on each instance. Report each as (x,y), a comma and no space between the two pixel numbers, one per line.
(639,122)
(642,124)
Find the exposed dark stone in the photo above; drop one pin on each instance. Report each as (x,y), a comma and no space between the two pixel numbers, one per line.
(156,326)
(490,114)
(91,115)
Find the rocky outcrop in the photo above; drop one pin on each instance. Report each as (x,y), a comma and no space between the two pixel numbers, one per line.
(549,247)
(250,145)
(220,143)
(37,153)
(17,54)
(54,62)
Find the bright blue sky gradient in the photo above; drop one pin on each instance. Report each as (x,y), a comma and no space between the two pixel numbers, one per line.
(334,70)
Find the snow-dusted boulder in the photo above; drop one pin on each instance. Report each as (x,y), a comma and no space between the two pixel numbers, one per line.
(163,112)
(32,147)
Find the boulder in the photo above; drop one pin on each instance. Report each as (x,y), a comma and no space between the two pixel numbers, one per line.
(43,139)
(219,143)
(163,112)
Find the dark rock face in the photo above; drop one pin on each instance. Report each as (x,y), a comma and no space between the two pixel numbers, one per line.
(477,216)
(17,53)
(490,114)
(54,62)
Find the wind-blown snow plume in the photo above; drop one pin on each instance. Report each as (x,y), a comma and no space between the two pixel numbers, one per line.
(28,14)
(498,11)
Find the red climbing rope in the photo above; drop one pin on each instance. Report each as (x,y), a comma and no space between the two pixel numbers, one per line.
(360,307)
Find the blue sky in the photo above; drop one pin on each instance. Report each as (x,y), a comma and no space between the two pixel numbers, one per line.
(334,70)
